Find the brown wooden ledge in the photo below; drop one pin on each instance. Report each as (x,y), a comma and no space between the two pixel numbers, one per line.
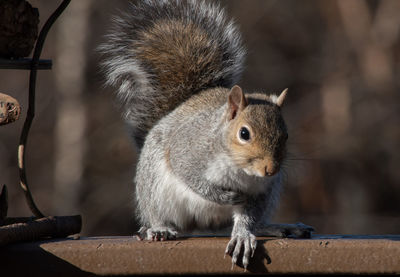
(201,255)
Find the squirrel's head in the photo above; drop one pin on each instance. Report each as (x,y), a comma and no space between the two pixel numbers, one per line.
(257,133)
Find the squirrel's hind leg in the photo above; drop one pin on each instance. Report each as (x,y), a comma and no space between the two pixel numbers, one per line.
(156,233)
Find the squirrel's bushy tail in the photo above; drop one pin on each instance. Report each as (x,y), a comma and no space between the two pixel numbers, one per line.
(161,52)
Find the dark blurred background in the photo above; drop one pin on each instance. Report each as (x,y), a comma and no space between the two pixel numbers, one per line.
(339,59)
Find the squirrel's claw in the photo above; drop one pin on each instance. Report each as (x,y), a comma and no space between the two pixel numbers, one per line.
(247,242)
(141,233)
(156,233)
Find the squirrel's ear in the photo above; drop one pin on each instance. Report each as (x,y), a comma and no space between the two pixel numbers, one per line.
(281,98)
(236,101)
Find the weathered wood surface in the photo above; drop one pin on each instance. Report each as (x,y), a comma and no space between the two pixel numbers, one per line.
(121,256)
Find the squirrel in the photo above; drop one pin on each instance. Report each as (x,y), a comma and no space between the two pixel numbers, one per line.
(209,154)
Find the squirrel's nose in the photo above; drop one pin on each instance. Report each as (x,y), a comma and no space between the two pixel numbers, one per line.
(271,169)
(270,172)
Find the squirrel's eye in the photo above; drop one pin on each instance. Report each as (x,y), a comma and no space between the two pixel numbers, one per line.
(244,134)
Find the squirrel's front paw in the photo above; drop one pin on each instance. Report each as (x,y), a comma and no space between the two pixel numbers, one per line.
(156,233)
(238,241)
(230,197)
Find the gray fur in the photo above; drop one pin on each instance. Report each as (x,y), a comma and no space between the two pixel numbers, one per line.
(193,144)
(188,176)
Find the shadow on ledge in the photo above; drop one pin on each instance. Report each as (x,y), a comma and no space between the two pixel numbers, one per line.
(29,259)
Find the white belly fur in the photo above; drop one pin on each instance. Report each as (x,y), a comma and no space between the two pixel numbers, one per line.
(180,205)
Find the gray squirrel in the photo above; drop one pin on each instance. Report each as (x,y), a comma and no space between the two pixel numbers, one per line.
(210,154)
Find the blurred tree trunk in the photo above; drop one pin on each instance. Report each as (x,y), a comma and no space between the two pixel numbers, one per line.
(69,69)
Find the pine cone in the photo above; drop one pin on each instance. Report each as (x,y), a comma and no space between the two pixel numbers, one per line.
(9,109)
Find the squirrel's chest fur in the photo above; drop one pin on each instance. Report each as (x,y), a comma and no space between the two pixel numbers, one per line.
(186,209)
(165,198)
